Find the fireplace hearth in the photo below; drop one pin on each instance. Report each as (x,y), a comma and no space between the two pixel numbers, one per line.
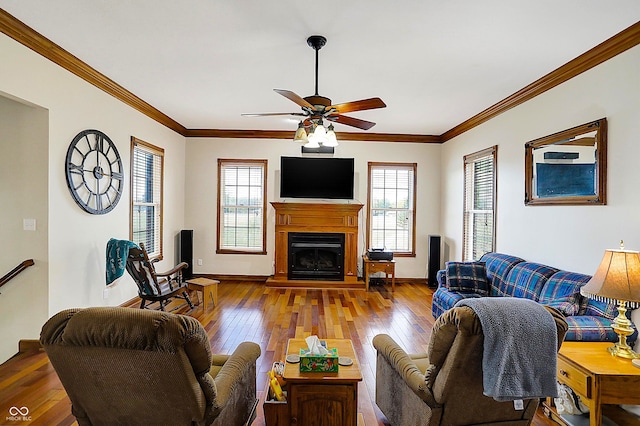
(316,256)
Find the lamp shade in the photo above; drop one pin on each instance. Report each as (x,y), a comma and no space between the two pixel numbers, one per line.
(312,141)
(332,140)
(301,134)
(320,133)
(617,278)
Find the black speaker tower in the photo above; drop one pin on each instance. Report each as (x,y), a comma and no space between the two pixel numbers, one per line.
(433,262)
(186,252)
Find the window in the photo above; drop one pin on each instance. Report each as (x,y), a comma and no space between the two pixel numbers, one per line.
(391,207)
(147,168)
(242,186)
(479,203)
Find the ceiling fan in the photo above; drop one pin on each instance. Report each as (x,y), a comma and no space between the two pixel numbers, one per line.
(316,107)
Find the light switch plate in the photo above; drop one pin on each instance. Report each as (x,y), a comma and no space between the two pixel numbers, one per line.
(29,224)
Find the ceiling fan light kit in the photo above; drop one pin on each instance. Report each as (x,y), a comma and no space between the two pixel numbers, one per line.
(315,108)
(301,134)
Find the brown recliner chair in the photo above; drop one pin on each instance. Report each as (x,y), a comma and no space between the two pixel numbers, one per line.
(123,366)
(445,385)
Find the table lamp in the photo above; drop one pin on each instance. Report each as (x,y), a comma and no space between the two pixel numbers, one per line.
(618,280)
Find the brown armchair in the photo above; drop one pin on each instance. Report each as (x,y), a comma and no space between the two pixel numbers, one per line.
(123,366)
(445,385)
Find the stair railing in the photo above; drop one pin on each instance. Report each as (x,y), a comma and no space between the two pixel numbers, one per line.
(15,271)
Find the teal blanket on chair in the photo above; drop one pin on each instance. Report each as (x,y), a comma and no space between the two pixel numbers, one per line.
(117,253)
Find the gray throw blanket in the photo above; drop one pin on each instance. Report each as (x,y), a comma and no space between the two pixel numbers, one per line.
(520,348)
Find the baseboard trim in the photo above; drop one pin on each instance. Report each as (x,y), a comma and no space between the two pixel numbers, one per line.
(267,279)
(29,345)
(219,277)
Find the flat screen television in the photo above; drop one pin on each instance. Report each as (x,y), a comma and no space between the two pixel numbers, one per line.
(316,177)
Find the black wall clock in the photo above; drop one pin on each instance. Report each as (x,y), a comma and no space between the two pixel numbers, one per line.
(94,172)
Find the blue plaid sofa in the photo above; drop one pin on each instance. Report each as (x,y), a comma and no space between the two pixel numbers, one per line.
(500,274)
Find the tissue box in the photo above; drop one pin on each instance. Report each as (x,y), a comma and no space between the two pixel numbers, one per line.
(319,363)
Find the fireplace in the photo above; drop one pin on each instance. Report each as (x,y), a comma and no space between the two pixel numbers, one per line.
(324,219)
(316,256)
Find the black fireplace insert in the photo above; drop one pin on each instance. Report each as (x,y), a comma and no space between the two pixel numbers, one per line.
(316,256)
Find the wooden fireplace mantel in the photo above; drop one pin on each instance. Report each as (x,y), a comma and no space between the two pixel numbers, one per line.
(316,217)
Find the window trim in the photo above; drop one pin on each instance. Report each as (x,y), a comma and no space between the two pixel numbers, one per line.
(221,163)
(467,160)
(160,152)
(414,166)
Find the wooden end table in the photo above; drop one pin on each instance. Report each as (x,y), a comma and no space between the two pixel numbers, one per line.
(373,266)
(597,376)
(329,399)
(208,287)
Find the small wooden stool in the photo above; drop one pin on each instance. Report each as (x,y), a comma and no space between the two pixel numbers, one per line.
(209,289)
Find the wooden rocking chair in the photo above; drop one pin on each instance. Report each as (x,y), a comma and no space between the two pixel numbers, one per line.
(154,286)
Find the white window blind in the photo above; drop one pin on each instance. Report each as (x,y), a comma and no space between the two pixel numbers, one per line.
(479,203)
(146,196)
(391,201)
(241,218)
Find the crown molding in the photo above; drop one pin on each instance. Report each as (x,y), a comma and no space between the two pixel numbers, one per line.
(606,50)
(35,41)
(288,134)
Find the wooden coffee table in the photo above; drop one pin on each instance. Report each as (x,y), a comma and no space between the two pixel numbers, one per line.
(329,399)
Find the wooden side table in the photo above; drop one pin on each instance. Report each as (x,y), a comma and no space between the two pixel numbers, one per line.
(209,289)
(373,266)
(329,399)
(597,376)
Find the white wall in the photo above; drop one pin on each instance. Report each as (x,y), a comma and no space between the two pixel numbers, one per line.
(76,239)
(567,237)
(23,191)
(201,172)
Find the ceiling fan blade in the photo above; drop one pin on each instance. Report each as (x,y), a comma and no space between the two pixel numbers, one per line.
(267,114)
(294,97)
(350,121)
(361,105)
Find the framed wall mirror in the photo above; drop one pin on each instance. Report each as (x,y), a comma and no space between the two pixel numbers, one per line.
(568,167)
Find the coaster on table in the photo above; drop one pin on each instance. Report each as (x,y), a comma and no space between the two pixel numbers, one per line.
(345,361)
(293,358)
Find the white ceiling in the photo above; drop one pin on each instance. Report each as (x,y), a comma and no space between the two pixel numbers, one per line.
(435,63)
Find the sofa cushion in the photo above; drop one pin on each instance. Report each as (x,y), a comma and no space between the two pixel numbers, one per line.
(563,283)
(562,291)
(590,329)
(443,299)
(498,267)
(567,305)
(598,308)
(467,277)
(526,280)
(441,277)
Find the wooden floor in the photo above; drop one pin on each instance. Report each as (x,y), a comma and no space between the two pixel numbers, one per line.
(268,316)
